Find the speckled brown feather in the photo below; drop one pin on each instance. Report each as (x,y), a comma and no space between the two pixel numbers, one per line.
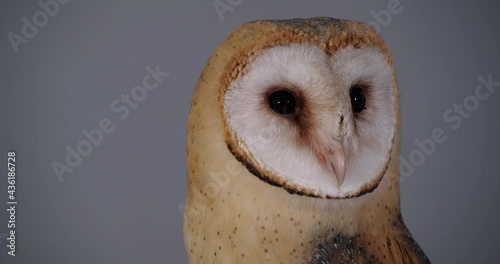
(232,216)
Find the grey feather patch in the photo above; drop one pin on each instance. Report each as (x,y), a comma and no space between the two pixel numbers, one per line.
(318,25)
(340,249)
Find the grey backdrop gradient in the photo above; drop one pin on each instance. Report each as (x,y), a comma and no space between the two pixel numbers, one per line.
(121,204)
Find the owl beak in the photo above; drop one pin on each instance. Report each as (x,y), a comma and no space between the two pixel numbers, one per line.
(337,163)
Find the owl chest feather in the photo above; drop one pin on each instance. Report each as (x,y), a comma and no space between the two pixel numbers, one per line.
(393,246)
(250,221)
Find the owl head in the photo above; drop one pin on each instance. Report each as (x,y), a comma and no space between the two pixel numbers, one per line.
(310,105)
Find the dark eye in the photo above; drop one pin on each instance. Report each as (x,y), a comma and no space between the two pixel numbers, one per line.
(282,102)
(357,99)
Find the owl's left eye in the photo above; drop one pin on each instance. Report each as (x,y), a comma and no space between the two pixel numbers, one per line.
(358,100)
(283,102)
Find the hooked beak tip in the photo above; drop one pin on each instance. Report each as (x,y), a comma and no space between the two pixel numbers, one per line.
(337,163)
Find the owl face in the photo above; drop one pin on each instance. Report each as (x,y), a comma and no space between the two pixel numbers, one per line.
(311,122)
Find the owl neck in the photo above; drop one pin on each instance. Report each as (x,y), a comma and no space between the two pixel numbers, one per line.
(227,203)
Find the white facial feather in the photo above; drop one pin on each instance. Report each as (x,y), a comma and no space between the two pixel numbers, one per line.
(324,83)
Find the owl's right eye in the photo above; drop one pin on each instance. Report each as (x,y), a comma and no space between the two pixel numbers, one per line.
(283,102)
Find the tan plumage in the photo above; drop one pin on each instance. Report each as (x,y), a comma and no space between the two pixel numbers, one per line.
(232,216)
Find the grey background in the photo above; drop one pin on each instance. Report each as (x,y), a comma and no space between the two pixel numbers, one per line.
(120,205)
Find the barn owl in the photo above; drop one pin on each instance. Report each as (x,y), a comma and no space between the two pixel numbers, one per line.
(292,148)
